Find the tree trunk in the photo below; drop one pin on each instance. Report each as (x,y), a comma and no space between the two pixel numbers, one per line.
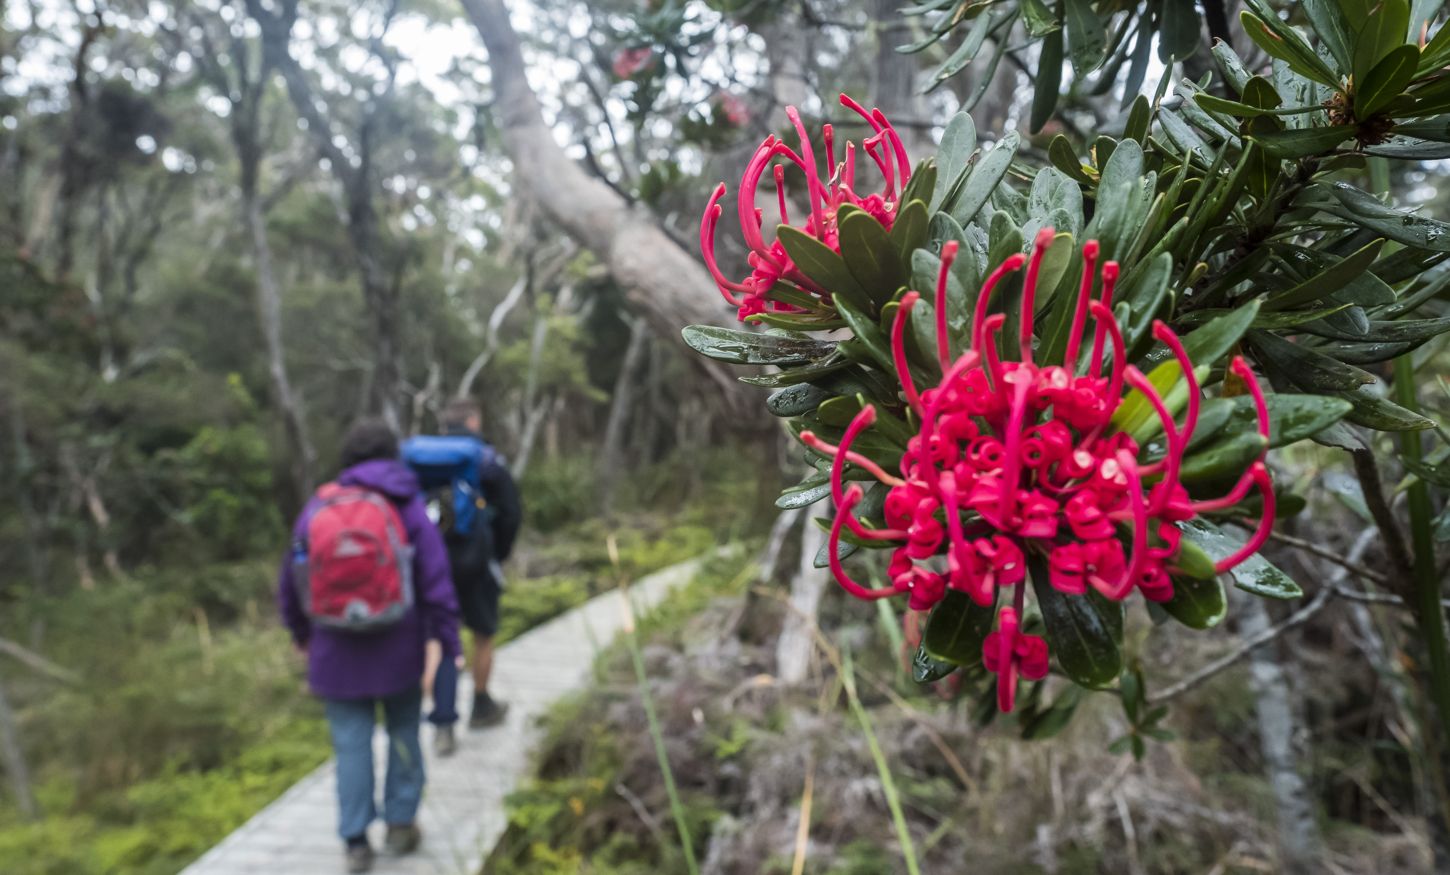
(1299,842)
(893,88)
(663,282)
(797,643)
(620,407)
(14,758)
(356,179)
(269,314)
(35,559)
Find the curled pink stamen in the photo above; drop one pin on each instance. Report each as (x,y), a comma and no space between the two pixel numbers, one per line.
(1110,280)
(1029,292)
(943,340)
(808,160)
(1260,474)
(898,350)
(833,545)
(826,448)
(979,315)
(1079,313)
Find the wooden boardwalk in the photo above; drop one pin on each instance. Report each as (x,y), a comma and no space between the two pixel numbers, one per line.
(463,815)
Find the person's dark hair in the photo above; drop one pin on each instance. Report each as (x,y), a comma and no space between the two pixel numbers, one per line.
(368,439)
(458,411)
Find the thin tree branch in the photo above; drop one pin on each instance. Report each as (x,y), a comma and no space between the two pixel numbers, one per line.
(1249,644)
(1332,556)
(1368,472)
(37,662)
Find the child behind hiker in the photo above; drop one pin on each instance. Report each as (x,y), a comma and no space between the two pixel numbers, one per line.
(364,587)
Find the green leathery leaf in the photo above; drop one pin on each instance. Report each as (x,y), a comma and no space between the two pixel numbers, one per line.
(803,374)
(1386,331)
(803,495)
(869,334)
(1331,279)
(1436,129)
(1140,118)
(1381,32)
(1292,417)
(1064,158)
(1231,65)
(1228,456)
(954,157)
(922,183)
(1302,142)
(1255,574)
(1049,81)
(1214,103)
(1039,18)
(1378,217)
(926,669)
(1436,475)
(1087,38)
(1048,723)
(957,626)
(1332,29)
(870,255)
(1283,42)
(822,265)
(838,411)
(1385,81)
(1193,562)
(1375,411)
(1313,371)
(1197,604)
(753,347)
(1307,368)
(1079,637)
(983,179)
(1178,33)
(908,230)
(796,400)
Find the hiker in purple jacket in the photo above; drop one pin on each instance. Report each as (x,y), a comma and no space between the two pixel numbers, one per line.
(355,672)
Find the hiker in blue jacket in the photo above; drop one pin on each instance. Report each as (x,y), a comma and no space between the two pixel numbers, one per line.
(477,505)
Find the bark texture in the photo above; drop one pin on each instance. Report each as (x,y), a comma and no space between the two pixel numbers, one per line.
(662,281)
(1299,841)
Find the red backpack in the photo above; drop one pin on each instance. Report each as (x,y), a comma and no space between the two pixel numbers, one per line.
(354,571)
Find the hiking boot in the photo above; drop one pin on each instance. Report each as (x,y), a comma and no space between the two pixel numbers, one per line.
(444,742)
(403,838)
(359,856)
(487,712)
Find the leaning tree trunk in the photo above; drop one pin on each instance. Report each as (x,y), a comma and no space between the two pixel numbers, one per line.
(1300,846)
(14,759)
(661,280)
(797,633)
(269,314)
(621,405)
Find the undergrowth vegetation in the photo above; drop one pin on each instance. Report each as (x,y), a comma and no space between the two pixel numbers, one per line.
(749,755)
(191,711)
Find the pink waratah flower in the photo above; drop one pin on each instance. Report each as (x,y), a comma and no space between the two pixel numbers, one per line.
(628,62)
(1022,456)
(770,263)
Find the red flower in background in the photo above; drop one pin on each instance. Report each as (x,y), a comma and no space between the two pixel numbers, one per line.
(629,62)
(736,113)
(1019,456)
(826,194)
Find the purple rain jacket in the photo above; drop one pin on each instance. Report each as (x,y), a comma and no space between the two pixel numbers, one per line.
(352,665)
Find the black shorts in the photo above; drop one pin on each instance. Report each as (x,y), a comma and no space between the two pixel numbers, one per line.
(478,602)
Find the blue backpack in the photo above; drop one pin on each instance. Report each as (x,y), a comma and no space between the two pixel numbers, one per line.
(449,468)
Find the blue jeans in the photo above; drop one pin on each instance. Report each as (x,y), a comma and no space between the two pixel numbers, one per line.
(352,722)
(445,694)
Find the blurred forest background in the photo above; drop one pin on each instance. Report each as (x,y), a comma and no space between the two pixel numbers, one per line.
(228,227)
